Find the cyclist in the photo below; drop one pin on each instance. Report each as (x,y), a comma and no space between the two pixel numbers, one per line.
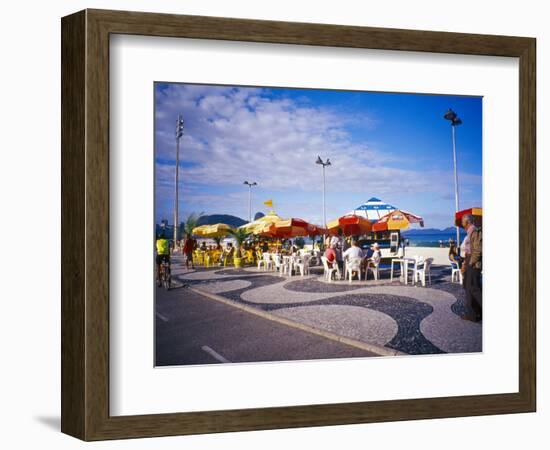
(163,255)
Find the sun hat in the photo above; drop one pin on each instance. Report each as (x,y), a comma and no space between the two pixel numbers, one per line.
(375,245)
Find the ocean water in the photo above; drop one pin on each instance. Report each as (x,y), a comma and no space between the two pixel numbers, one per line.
(432,239)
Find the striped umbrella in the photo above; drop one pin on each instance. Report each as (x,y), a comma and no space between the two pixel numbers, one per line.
(476,212)
(397,220)
(373,209)
(258,225)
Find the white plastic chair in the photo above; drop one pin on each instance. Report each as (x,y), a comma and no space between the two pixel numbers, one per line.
(329,270)
(422,268)
(287,265)
(418,262)
(353,265)
(303,265)
(373,267)
(456,273)
(278,263)
(265,262)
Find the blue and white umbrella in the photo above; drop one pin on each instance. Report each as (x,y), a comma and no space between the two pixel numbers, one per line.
(373,209)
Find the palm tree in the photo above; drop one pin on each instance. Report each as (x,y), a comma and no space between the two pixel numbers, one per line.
(240,236)
(192,222)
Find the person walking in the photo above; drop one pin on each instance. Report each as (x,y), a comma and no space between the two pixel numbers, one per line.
(472,270)
(188,247)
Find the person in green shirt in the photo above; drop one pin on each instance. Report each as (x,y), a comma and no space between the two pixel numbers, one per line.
(163,254)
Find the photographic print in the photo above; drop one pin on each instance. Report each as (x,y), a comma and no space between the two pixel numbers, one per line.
(301,224)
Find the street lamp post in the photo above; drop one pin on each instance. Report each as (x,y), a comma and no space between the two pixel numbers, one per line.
(451,116)
(179,134)
(250,198)
(324,164)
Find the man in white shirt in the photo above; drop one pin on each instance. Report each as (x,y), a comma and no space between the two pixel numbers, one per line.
(353,252)
(337,242)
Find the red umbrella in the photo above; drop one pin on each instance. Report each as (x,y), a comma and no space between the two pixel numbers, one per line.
(477,213)
(289,228)
(351,225)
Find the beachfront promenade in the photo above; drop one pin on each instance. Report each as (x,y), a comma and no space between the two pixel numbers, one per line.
(369,318)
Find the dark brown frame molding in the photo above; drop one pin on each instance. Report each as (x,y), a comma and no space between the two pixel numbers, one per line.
(85,224)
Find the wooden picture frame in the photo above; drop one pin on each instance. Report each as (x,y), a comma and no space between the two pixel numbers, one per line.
(85,224)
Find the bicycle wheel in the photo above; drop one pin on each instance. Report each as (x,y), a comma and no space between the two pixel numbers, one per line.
(167,277)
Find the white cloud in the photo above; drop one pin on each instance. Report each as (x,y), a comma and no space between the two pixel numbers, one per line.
(232,134)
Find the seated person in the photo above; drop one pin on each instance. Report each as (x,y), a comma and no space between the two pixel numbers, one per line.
(203,246)
(354,251)
(374,259)
(330,254)
(228,252)
(453,254)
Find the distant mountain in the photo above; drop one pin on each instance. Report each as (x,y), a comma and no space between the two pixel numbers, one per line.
(421,231)
(212,219)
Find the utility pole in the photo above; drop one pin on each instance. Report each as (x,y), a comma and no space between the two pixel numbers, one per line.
(324,164)
(179,134)
(455,121)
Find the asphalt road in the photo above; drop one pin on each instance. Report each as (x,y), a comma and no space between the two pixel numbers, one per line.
(194,329)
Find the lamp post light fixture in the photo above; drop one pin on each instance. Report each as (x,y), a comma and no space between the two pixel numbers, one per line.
(179,134)
(250,184)
(324,164)
(452,117)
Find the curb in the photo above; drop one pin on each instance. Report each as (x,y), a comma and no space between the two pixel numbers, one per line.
(378,350)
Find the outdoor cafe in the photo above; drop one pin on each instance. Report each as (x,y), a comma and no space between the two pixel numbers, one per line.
(293,246)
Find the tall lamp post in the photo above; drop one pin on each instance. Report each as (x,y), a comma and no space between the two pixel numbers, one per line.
(179,134)
(324,164)
(250,198)
(451,116)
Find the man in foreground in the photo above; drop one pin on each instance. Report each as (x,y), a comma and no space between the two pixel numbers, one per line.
(472,270)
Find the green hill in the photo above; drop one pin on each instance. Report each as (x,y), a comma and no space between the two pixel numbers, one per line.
(230,220)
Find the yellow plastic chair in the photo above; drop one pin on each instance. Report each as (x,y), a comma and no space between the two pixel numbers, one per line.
(228,259)
(215,257)
(198,258)
(249,257)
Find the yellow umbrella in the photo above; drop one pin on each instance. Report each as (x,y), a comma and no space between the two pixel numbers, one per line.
(258,225)
(212,231)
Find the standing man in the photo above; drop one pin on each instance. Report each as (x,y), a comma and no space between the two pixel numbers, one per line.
(472,269)
(337,242)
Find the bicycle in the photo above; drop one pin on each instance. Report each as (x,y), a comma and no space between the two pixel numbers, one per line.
(165,275)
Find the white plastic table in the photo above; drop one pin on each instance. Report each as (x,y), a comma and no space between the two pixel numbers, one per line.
(404,262)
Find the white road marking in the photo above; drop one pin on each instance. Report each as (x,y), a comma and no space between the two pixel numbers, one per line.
(161,317)
(215,354)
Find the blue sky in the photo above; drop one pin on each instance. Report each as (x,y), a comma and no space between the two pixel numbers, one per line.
(393,146)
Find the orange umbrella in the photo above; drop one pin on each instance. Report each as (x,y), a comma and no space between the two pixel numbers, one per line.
(351,225)
(397,220)
(476,212)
